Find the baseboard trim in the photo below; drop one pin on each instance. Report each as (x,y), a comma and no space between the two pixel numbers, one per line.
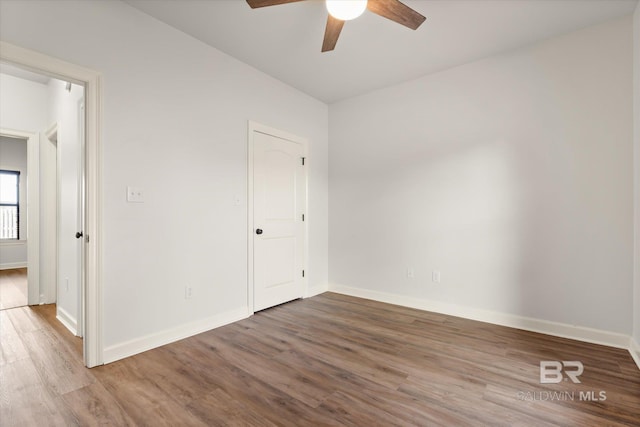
(65,318)
(634,349)
(595,336)
(12,265)
(142,344)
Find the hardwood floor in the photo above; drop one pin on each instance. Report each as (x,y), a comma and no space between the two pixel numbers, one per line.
(13,288)
(328,360)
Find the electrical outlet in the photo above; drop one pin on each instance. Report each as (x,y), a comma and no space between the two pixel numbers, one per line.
(188,292)
(410,273)
(435,276)
(135,195)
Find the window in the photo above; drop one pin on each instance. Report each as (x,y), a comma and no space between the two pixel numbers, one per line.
(9,205)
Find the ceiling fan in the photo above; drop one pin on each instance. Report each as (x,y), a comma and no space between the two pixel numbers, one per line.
(346,10)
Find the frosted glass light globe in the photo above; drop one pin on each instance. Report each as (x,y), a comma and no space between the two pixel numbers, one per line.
(346,10)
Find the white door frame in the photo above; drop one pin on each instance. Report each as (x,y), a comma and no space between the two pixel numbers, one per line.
(32,139)
(257,127)
(92,81)
(51,289)
(81,225)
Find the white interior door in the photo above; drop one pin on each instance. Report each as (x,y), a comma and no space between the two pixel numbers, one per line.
(279,200)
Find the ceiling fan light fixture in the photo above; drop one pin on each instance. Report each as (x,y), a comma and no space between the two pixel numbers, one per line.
(346,10)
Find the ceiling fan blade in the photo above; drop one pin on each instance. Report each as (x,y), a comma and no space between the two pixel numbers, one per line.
(264,3)
(331,33)
(397,12)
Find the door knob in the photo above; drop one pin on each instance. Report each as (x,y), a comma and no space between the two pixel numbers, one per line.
(259,231)
(78,234)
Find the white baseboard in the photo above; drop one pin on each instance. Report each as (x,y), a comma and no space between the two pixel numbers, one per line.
(139,345)
(595,336)
(12,265)
(69,322)
(634,349)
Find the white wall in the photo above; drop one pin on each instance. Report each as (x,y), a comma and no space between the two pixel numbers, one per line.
(23,104)
(64,111)
(175,123)
(13,156)
(511,175)
(636,122)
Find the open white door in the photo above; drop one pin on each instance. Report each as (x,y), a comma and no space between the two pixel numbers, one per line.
(278,229)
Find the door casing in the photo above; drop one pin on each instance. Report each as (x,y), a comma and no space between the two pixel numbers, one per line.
(50,207)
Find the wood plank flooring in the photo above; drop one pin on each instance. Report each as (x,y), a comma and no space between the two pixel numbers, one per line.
(13,288)
(329,360)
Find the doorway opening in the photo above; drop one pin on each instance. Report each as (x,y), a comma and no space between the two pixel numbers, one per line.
(13,221)
(63,231)
(46,107)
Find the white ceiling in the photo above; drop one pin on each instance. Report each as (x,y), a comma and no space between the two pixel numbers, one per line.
(284,41)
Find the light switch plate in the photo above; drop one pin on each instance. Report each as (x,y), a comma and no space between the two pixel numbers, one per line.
(135,195)
(435,276)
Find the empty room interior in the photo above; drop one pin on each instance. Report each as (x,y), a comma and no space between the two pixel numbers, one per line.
(310,212)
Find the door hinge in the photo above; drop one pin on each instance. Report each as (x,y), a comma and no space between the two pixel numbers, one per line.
(303,161)
(302,217)
(302,273)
